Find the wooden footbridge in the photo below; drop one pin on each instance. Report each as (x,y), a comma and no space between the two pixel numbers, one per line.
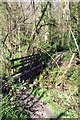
(28,66)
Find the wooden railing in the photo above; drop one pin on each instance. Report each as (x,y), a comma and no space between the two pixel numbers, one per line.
(27,66)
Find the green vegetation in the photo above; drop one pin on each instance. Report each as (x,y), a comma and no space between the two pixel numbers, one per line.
(46,30)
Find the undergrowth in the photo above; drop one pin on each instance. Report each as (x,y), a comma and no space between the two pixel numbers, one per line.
(60,93)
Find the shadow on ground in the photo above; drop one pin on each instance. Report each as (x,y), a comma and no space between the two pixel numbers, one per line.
(28,102)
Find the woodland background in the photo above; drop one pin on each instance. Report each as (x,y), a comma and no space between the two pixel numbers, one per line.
(41,27)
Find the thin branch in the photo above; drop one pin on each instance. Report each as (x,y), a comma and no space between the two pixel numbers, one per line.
(48,3)
(15,25)
(75,40)
(45,25)
(11,29)
(35,30)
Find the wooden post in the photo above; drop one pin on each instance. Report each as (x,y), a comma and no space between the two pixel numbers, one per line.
(31,67)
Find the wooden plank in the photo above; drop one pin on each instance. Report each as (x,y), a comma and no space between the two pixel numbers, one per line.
(23,57)
(16,66)
(20,64)
(34,60)
(26,60)
(25,68)
(16,73)
(21,70)
(27,71)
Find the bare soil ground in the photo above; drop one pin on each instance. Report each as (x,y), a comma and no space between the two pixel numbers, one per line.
(36,108)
